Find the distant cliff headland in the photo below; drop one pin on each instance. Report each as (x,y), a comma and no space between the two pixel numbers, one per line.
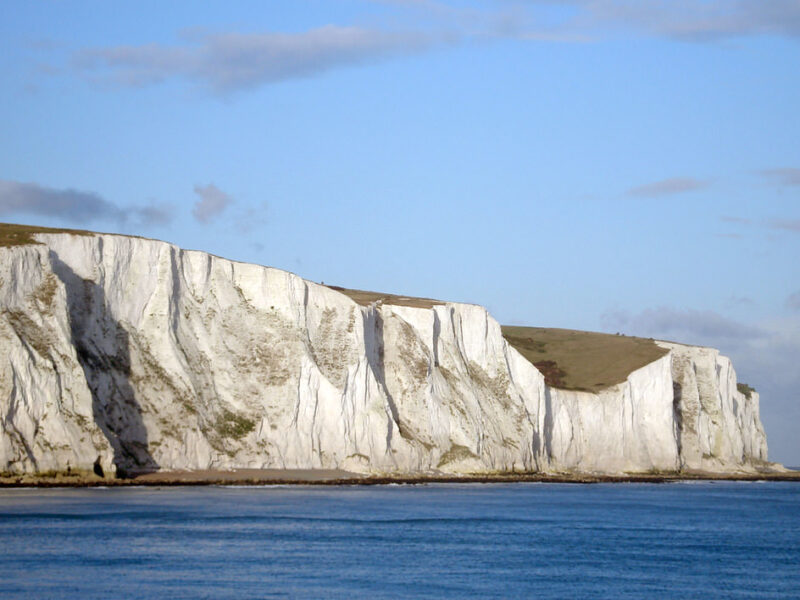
(122,357)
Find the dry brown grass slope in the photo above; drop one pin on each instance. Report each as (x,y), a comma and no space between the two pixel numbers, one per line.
(582,360)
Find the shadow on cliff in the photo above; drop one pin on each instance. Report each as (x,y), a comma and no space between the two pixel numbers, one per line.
(677,396)
(373,340)
(103,349)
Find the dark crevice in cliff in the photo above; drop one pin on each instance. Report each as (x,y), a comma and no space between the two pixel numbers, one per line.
(437,331)
(103,347)
(548,423)
(677,395)
(373,341)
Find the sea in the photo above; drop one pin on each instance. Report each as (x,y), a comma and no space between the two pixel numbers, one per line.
(517,540)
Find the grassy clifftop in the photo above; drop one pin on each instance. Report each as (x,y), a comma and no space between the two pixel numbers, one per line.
(21,235)
(582,360)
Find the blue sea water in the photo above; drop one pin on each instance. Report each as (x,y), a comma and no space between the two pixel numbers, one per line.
(521,540)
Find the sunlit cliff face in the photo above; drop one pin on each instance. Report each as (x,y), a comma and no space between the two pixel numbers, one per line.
(135,355)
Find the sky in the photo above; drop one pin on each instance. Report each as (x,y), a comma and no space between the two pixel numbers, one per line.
(608,165)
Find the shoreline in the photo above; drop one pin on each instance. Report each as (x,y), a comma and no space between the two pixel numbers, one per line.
(270,477)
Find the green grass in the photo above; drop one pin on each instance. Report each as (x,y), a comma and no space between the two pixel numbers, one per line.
(582,360)
(22,235)
(233,425)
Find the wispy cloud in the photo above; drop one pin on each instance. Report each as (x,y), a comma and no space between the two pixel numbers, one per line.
(225,62)
(667,187)
(735,301)
(737,220)
(684,19)
(692,326)
(75,206)
(734,221)
(213,201)
(252,218)
(793,301)
(775,224)
(792,225)
(230,61)
(784,177)
(153,214)
(687,20)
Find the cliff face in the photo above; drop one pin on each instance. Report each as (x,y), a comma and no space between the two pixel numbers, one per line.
(151,357)
(717,425)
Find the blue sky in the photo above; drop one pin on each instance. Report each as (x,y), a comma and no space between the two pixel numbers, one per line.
(593,164)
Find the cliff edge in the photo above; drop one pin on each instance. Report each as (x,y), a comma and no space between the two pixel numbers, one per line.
(128,355)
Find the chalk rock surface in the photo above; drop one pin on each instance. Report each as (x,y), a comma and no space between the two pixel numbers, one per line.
(140,356)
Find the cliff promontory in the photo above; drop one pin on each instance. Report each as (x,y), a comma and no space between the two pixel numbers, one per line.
(131,355)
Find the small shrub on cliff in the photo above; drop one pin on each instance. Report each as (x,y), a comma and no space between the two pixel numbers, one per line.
(234,426)
(745,389)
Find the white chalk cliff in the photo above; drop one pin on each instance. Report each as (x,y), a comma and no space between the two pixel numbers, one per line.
(152,357)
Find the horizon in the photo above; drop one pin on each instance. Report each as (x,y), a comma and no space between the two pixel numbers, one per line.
(594,165)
